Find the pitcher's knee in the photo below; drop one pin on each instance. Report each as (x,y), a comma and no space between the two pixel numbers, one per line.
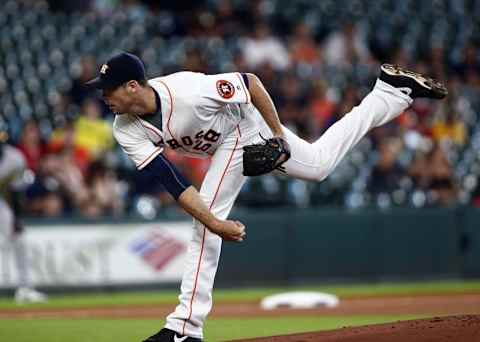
(315,175)
(324,171)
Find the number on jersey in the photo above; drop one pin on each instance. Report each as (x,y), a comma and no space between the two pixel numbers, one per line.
(201,142)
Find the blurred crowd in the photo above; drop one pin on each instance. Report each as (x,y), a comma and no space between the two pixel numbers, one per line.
(317,61)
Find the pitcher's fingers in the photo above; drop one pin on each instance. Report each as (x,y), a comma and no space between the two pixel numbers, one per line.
(240,224)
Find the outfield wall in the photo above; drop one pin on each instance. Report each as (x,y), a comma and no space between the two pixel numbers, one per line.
(282,247)
(309,245)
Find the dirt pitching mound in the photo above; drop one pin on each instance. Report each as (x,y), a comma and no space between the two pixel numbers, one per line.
(439,329)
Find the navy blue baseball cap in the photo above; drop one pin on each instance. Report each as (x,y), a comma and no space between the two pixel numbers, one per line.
(119,69)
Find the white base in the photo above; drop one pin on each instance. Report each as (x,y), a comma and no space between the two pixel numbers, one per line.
(299,300)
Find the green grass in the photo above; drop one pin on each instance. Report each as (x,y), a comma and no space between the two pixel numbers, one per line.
(240,295)
(221,329)
(107,330)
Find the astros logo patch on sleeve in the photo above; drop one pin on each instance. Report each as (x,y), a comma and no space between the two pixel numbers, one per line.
(225,89)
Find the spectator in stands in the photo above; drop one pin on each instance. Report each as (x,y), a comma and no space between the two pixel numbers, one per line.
(103,198)
(291,99)
(295,118)
(239,62)
(270,79)
(469,64)
(387,172)
(70,178)
(320,105)
(61,107)
(346,47)
(441,180)
(31,145)
(402,57)
(59,186)
(63,138)
(432,173)
(418,171)
(134,9)
(91,131)
(447,127)
(350,98)
(87,69)
(227,22)
(44,197)
(291,90)
(195,61)
(302,46)
(264,48)
(437,63)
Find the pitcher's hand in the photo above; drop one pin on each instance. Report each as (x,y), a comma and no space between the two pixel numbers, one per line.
(229,230)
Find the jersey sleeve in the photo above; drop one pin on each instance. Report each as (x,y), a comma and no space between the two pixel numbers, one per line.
(163,171)
(220,89)
(134,141)
(17,165)
(18,182)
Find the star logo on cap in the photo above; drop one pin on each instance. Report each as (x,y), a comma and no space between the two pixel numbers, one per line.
(103,69)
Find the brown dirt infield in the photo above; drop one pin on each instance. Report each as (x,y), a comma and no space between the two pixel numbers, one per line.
(463,325)
(431,305)
(439,329)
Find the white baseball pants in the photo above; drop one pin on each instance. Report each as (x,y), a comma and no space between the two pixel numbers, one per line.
(14,242)
(6,220)
(224,180)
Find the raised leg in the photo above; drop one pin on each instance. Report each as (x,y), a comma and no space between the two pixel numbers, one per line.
(317,160)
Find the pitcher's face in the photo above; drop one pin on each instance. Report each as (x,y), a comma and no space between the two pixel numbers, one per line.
(121,99)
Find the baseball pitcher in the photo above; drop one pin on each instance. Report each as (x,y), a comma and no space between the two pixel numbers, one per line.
(221,116)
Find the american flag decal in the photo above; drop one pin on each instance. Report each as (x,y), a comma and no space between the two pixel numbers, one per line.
(157,249)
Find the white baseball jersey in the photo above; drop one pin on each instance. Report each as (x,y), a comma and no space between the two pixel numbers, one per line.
(198,111)
(12,166)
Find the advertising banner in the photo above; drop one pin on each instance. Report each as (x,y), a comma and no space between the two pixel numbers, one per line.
(80,255)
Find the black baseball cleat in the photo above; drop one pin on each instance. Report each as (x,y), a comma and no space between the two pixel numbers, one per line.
(412,83)
(167,335)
